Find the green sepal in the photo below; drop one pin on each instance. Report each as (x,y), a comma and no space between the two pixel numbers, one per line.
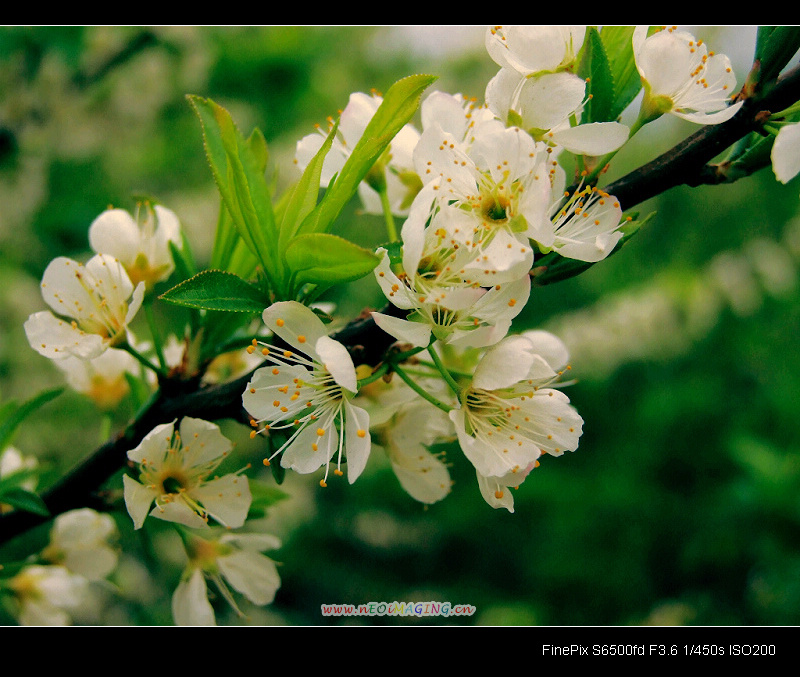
(323,258)
(217,290)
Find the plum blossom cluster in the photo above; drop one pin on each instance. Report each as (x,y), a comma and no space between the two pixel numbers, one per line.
(482,194)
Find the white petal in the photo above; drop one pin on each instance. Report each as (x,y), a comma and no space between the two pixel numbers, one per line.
(335,359)
(490,489)
(190,605)
(710,118)
(596,138)
(415,333)
(392,287)
(138,500)
(135,303)
(154,444)
(357,439)
(549,347)
(116,233)
(252,574)
(504,364)
(227,499)
(296,324)
(202,441)
(177,511)
(546,101)
(786,153)
(55,338)
(301,456)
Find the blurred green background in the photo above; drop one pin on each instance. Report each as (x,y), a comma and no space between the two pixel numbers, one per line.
(681,504)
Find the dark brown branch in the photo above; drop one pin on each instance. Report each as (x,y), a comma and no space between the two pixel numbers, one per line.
(686,163)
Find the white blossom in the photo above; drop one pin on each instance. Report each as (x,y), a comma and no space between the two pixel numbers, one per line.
(682,77)
(103,378)
(141,244)
(506,422)
(94,305)
(48,594)
(175,467)
(81,540)
(308,390)
(786,152)
(232,559)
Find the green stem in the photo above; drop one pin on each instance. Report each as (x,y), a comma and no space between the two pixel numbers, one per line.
(384,368)
(446,375)
(421,391)
(151,322)
(391,229)
(127,347)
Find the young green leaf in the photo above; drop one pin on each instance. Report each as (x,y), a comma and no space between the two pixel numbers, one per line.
(22,499)
(217,290)
(595,69)
(627,82)
(775,46)
(398,107)
(322,258)
(304,195)
(237,167)
(14,414)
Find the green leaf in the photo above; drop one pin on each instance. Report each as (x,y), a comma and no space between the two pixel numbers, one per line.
(22,499)
(398,107)
(217,290)
(12,414)
(595,69)
(627,82)
(304,196)
(322,258)
(775,46)
(237,167)
(264,497)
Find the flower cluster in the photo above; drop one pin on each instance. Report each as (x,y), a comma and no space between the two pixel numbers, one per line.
(489,201)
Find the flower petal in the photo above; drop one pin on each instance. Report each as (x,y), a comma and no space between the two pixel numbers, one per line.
(296,324)
(357,439)
(227,499)
(337,361)
(786,153)
(190,605)
(504,363)
(415,333)
(202,442)
(55,338)
(138,500)
(252,574)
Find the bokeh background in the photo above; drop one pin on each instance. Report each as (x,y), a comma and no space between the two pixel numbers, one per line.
(681,504)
